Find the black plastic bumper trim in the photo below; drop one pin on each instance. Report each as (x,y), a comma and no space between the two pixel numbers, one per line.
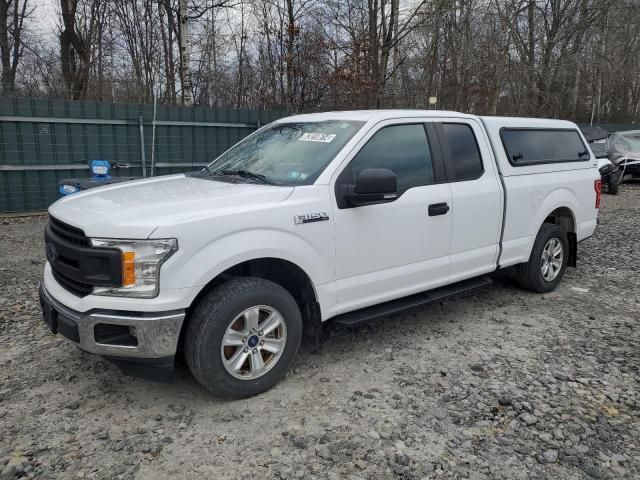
(153,369)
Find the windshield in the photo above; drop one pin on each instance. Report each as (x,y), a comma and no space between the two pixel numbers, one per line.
(286,153)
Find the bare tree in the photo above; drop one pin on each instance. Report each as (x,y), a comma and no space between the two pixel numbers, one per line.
(12,17)
(185,70)
(562,58)
(139,23)
(81,20)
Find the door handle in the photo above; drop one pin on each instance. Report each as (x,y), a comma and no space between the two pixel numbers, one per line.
(438,209)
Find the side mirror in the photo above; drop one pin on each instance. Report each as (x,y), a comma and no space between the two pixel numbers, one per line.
(373,185)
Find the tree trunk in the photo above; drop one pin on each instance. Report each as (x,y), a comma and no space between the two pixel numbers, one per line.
(74,53)
(8,78)
(166,32)
(290,59)
(11,22)
(374,42)
(575,96)
(99,94)
(185,71)
(389,42)
(531,52)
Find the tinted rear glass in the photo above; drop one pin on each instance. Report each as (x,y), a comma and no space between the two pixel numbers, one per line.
(465,155)
(531,146)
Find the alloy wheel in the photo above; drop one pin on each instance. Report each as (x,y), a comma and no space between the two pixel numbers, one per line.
(253,342)
(551,262)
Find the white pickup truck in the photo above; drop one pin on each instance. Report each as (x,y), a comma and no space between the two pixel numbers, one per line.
(342,216)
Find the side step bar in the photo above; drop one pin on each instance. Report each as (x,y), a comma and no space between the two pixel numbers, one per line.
(350,319)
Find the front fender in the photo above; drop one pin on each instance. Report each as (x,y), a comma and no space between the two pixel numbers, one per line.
(232,249)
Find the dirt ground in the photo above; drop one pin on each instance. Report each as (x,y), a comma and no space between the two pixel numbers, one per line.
(500,384)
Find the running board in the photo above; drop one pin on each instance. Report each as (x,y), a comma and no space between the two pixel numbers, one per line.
(395,306)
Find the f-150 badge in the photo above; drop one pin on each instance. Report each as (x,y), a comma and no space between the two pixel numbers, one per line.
(310,217)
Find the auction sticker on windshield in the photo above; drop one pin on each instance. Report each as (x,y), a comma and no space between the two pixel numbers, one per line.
(317,137)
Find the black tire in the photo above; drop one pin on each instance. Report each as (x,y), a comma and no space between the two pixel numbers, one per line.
(209,322)
(529,275)
(613,182)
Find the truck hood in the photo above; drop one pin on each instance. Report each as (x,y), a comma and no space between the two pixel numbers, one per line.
(135,209)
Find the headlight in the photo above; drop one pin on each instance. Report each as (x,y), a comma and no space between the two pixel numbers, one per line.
(141,262)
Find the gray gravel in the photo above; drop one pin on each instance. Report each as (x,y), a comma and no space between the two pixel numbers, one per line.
(501,384)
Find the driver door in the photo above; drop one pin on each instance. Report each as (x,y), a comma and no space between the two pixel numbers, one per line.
(400,247)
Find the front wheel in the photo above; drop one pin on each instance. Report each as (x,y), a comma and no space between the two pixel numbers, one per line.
(243,337)
(548,261)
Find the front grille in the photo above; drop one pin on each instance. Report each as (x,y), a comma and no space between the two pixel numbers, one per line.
(77,288)
(78,266)
(76,237)
(70,234)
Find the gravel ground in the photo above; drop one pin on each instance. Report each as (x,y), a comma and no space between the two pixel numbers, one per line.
(499,384)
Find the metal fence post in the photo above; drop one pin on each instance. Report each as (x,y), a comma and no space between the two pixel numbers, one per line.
(153,135)
(144,159)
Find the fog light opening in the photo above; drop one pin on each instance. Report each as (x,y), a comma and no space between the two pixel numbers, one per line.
(116,335)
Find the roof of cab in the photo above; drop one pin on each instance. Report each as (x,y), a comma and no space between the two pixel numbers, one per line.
(524,122)
(379,115)
(367,115)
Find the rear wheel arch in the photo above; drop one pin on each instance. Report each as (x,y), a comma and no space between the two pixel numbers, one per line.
(565,218)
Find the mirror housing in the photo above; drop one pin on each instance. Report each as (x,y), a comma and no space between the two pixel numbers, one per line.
(373,186)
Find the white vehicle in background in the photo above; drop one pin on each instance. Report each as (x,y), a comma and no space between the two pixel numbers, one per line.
(341,216)
(624,152)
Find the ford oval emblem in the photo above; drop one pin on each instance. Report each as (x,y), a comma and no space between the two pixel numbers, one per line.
(51,252)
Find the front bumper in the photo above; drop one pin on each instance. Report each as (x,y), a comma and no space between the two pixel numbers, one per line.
(147,335)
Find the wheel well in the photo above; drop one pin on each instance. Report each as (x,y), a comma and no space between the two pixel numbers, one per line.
(563,217)
(282,272)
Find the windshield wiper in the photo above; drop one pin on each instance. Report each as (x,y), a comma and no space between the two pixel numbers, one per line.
(245,174)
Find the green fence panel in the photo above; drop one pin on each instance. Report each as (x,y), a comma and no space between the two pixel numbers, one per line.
(45,140)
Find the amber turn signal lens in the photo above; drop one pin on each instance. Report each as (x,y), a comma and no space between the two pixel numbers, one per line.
(128,268)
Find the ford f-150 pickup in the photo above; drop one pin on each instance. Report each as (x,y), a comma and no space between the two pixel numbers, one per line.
(341,216)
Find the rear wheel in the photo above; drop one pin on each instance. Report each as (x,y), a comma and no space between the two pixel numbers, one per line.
(242,337)
(548,261)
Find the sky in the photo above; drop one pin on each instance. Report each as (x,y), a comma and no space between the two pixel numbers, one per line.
(45,17)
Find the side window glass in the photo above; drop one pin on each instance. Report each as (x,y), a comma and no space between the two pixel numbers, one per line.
(465,154)
(403,149)
(531,146)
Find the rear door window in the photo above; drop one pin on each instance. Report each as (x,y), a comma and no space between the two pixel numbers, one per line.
(464,153)
(536,146)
